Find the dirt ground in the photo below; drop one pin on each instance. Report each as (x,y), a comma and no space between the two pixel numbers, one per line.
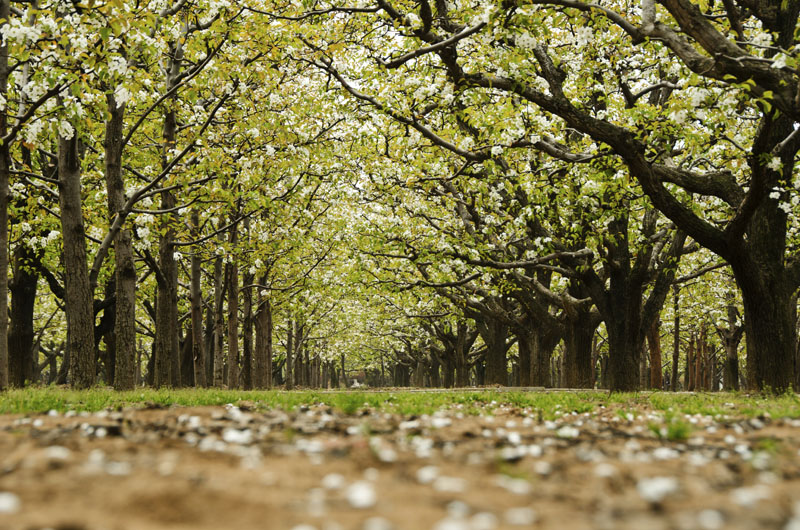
(236,467)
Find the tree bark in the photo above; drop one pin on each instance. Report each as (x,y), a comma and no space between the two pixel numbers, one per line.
(5,173)
(23,287)
(676,338)
(124,267)
(247,333)
(290,354)
(263,353)
(219,323)
(494,334)
(78,295)
(578,350)
(233,320)
(654,345)
(196,299)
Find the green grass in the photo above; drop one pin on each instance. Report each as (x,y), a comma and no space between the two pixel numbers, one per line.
(546,405)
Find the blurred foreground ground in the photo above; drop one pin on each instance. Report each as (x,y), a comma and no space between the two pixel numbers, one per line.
(316,468)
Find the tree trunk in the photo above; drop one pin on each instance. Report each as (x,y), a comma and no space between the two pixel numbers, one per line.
(23,289)
(433,370)
(196,298)
(676,338)
(578,351)
(262,376)
(654,345)
(124,266)
(494,335)
(624,350)
(78,295)
(290,355)
(769,328)
(247,332)
(5,174)
(187,359)
(233,320)
(219,324)
(524,361)
(690,363)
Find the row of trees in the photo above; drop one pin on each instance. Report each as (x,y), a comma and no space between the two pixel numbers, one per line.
(248,194)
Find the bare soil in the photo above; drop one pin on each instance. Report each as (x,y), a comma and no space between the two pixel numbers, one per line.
(237,467)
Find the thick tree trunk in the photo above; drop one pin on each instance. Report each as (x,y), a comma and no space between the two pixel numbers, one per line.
(578,351)
(494,335)
(769,328)
(22,358)
(624,349)
(78,295)
(433,370)
(125,269)
(448,368)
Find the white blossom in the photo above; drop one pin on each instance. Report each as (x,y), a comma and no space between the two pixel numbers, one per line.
(65,130)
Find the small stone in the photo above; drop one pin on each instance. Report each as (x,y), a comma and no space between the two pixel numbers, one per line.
(450,484)
(517,486)
(333,481)
(439,423)
(568,431)
(543,468)
(458,509)
(750,496)
(57,452)
(656,488)
(118,469)
(710,520)
(377,523)
(361,495)
(9,503)
(605,470)
(520,516)
(427,474)
(483,521)
(236,436)
(451,523)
